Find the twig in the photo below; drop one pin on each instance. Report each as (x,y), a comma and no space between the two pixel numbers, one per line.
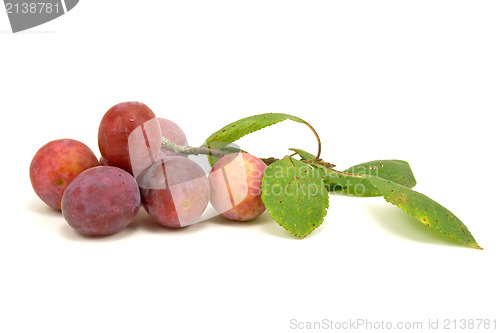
(188,150)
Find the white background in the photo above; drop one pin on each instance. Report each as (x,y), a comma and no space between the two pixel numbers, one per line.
(415,80)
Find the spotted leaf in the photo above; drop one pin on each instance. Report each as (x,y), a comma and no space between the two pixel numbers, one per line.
(425,210)
(294,195)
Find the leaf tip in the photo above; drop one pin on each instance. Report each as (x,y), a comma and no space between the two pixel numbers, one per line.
(477,247)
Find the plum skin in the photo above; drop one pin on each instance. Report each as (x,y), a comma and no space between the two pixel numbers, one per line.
(101,201)
(181,198)
(235,186)
(115,128)
(56,165)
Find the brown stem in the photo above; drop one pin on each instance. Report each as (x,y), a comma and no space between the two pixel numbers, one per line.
(269,160)
(317,138)
(327,165)
(330,167)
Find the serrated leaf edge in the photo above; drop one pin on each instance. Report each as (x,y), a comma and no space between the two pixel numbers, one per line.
(263,116)
(324,212)
(471,243)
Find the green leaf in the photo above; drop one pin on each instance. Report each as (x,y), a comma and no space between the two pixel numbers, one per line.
(242,127)
(397,171)
(304,155)
(231,149)
(353,181)
(426,210)
(336,181)
(294,195)
(347,184)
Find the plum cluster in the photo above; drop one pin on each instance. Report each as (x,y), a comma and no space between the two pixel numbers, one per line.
(102,197)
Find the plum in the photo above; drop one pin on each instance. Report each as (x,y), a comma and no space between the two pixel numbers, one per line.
(174,133)
(174,191)
(101,201)
(235,186)
(123,147)
(55,165)
(141,153)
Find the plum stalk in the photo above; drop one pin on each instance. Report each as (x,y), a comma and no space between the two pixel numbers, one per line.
(204,150)
(188,150)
